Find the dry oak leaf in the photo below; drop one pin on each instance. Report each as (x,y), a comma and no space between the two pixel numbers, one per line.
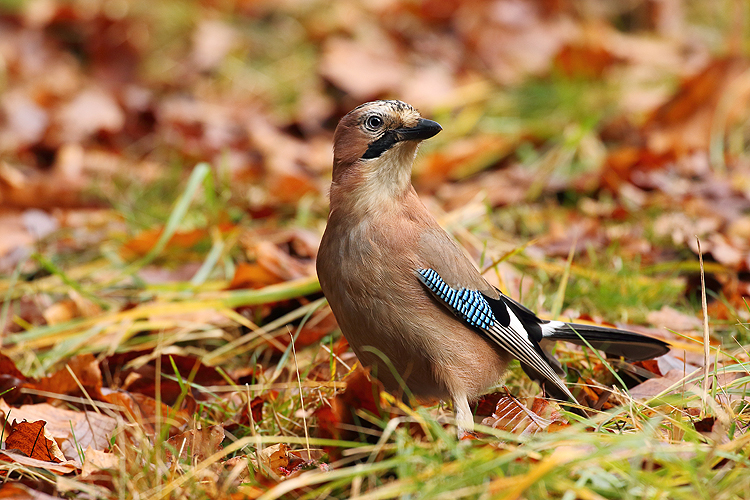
(685,121)
(196,444)
(97,461)
(145,410)
(276,459)
(654,386)
(85,372)
(68,428)
(11,379)
(30,439)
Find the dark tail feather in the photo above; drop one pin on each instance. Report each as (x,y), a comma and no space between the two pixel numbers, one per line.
(631,346)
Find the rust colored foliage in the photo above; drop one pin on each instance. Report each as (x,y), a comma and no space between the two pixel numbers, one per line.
(28,438)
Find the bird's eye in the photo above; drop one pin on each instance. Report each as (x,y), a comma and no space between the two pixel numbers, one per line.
(374,122)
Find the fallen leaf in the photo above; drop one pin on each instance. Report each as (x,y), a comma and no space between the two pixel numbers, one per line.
(80,371)
(685,121)
(657,385)
(65,467)
(252,275)
(584,61)
(31,439)
(97,461)
(71,429)
(249,414)
(26,121)
(512,416)
(91,111)
(340,419)
(672,319)
(195,444)
(11,379)
(350,65)
(212,41)
(135,372)
(60,312)
(146,411)
(275,458)
(18,491)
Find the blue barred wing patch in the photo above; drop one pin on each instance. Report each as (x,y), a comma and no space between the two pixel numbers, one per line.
(469,305)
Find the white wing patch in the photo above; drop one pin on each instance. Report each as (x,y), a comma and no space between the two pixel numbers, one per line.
(516,324)
(550,327)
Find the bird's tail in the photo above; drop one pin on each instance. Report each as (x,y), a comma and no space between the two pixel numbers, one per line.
(631,346)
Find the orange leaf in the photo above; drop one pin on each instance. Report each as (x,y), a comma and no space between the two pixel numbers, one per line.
(252,276)
(29,439)
(85,371)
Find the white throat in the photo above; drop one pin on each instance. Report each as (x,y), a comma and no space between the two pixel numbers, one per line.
(385,178)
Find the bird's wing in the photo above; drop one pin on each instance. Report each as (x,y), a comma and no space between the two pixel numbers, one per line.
(499,321)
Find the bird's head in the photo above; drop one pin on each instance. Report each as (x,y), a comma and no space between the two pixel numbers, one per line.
(374,146)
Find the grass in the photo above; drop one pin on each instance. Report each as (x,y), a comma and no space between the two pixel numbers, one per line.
(633,450)
(677,445)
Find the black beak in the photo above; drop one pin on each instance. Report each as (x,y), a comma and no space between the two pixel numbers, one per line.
(424,129)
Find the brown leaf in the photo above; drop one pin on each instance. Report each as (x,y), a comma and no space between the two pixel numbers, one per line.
(462,158)
(71,429)
(98,461)
(141,244)
(85,371)
(60,312)
(212,41)
(196,444)
(11,379)
(275,458)
(512,416)
(514,39)
(45,190)
(18,491)
(26,121)
(657,385)
(362,393)
(135,371)
(624,163)
(584,61)
(674,320)
(249,414)
(684,122)
(146,411)
(485,406)
(91,111)
(29,438)
(279,255)
(252,275)
(650,365)
(349,63)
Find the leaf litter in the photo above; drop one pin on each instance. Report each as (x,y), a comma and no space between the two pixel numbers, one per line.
(618,132)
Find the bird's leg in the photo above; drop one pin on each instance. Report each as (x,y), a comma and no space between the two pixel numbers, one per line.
(464,417)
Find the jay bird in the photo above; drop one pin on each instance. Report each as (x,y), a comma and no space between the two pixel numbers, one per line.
(412,306)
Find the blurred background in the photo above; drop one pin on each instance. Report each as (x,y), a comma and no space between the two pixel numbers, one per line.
(617,129)
(163,163)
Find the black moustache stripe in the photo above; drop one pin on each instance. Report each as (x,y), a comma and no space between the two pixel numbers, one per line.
(377,148)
